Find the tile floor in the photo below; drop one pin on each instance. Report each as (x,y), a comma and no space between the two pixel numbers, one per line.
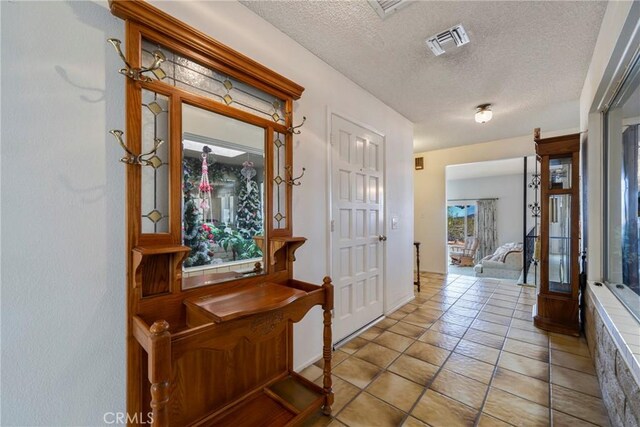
(463,353)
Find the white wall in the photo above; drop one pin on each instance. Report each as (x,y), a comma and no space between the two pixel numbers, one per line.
(507,189)
(430,198)
(63,270)
(63,267)
(613,45)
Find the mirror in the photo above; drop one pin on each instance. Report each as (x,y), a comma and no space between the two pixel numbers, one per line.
(223,197)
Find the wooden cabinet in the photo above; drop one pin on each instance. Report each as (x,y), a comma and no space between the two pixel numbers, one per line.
(210,342)
(557,307)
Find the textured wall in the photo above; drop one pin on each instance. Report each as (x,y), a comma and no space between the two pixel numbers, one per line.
(620,390)
(63,268)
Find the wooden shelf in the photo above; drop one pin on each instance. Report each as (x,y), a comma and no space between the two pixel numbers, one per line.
(244,300)
(161,249)
(286,401)
(157,267)
(276,244)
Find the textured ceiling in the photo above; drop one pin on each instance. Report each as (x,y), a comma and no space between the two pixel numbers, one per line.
(529,59)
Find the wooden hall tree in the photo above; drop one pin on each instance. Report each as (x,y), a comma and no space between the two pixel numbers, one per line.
(212,346)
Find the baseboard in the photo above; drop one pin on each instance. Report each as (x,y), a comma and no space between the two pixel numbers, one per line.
(308,363)
(401,302)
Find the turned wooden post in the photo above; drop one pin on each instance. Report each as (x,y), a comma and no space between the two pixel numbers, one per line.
(327,345)
(160,372)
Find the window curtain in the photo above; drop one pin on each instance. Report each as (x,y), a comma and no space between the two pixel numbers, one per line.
(486,228)
(630,142)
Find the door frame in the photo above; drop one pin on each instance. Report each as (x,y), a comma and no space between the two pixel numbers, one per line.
(329,194)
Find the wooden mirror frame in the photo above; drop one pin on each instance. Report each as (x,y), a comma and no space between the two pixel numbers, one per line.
(157,319)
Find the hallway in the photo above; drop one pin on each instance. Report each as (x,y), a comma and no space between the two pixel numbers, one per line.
(463,353)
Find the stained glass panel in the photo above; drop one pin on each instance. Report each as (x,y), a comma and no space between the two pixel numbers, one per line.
(280,186)
(155,175)
(186,74)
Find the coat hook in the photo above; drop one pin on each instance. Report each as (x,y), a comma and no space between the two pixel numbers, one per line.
(291,180)
(293,129)
(145,159)
(137,73)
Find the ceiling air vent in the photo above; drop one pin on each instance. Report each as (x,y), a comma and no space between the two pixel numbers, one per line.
(385,8)
(455,35)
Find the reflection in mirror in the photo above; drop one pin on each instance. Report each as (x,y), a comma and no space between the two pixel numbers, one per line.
(223,197)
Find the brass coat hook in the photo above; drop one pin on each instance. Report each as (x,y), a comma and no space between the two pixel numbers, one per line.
(290,179)
(137,73)
(145,159)
(294,129)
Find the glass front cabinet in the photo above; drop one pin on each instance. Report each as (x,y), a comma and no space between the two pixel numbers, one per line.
(557,307)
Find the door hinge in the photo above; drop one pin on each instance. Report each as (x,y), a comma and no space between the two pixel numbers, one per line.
(333,225)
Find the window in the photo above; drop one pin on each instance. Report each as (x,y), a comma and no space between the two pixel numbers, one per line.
(622,174)
(461,222)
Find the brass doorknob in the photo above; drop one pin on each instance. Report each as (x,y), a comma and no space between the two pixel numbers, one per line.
(382,238)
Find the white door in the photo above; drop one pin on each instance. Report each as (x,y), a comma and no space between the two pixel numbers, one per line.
(357,178)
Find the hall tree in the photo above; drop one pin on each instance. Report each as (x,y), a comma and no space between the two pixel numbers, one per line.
(212,345)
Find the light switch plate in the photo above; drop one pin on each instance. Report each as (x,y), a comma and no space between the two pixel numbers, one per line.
(395,222)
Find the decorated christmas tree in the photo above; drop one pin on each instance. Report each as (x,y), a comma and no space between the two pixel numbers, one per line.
(249,218)
(197,235)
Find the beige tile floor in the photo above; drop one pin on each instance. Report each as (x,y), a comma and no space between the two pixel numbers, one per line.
(463,353)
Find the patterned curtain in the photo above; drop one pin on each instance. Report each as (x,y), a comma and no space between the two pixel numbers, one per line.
(486,228)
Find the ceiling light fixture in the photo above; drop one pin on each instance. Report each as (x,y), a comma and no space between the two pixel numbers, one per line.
(483,113)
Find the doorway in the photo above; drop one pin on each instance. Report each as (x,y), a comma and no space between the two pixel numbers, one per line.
(488,216)
(357,225)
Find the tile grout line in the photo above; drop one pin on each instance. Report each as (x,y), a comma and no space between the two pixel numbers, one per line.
(426,386)
(495,369)
(375,377)
(440,290)
(430,382)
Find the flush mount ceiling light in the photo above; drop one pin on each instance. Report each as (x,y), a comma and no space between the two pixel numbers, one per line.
(454,36)
(483,113)
(385,8)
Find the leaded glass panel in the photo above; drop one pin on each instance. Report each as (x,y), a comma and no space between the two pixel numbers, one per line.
(155,174)
(186,74)
(279,181)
